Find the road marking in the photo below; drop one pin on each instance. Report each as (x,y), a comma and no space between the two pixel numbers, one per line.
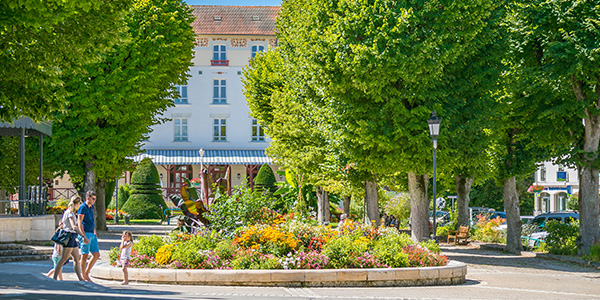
(533,291)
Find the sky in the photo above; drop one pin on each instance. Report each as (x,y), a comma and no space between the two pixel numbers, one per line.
(235,2)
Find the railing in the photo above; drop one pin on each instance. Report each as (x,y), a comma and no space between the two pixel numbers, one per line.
(57,193)
(34,204)
(219,62)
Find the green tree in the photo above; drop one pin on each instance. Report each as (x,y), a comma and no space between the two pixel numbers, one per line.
(145,200)
(557,62)
(376,70)
(110,110)
(42,41)
(265,179)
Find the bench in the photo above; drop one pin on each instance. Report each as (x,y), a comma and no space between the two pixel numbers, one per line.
(460,236)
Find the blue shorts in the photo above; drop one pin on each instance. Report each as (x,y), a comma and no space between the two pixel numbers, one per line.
(55,261)
(92,246)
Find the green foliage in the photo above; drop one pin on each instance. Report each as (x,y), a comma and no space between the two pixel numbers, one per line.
(398,206)
(243,207)
(108,193)
(113,255)
(573,203)
(225,249)
(342,252)
(431,246)
(148,245)
(594,253)
(45,41)
(251,260)
(561,237)
(389,250)
(145,201)
(265,179)
(189,253)
(123,195)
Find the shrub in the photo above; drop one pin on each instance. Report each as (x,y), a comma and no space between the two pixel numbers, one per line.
(145,201)
(252,260)
(561,237)
(113,255)
(122,196)
(265,179)
(487,230)
(421,257)
(141,261)
(594,253)
(225,249)
(243,207)
(148,245)
(311,260)
(389,250)
(342,252)
(431,246)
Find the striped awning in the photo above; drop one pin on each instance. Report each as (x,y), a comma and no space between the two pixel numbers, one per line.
(211,157)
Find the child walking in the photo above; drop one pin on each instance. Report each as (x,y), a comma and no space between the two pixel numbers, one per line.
(126,244)
(56,255)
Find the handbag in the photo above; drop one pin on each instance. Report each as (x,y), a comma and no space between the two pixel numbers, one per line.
(61,237)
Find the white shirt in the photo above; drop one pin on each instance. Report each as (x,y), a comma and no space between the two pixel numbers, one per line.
(66,223)
(126,252)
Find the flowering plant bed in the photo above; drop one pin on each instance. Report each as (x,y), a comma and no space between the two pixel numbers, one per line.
(289,244)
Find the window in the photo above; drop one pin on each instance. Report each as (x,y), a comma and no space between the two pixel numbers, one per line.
(219,56)
(256,49)
(219,91)
(220,130)
(258,133)
(181,134)
(183,97)
(543,174)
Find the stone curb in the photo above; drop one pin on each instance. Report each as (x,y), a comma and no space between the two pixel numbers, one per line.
(563,258)
(451,274)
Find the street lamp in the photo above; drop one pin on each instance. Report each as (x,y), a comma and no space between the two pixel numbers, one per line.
(434,130)
(201,153)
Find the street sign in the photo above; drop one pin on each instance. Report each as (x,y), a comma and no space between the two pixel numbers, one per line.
(440,202)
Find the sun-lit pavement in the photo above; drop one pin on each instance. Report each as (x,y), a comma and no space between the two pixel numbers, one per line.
(491,275)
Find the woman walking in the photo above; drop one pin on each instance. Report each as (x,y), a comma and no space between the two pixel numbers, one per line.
(72,248)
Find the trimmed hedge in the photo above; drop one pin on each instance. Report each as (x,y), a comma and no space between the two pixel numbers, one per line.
(145,201)
(265,179)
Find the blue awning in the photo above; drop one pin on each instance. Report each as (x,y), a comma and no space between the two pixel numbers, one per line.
(211,157)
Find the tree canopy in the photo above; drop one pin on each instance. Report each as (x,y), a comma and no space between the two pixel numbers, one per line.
(42,42)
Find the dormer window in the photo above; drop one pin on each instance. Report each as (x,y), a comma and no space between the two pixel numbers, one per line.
(215,18)
(255,18)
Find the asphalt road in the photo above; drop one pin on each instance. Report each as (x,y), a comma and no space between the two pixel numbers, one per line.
(491,275)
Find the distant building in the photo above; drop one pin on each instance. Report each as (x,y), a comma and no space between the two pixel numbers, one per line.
(559,184)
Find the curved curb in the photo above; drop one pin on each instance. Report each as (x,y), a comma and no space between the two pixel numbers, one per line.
(453,273)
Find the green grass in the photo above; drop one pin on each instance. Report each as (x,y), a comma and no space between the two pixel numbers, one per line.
(136,221)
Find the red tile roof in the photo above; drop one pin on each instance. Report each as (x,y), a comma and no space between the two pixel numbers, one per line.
(236,20)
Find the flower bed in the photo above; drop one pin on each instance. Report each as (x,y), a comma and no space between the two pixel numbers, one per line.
(290,244)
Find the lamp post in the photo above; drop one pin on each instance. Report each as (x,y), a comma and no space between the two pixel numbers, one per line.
(201,153)
(434,130)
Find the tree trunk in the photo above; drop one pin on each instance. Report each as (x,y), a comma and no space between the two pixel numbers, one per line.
(372,203)
(589,209)
(463,189)
(419,206)
(347,205)
(100,205)
(323,213)
(589,230)
(89,184)
(513,216)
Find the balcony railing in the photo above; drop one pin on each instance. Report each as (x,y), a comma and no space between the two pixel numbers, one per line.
(219,62)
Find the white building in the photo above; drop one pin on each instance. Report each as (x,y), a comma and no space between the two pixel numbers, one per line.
(559,183)
(212,113)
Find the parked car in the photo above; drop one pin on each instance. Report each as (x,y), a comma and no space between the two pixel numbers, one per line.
(539,222)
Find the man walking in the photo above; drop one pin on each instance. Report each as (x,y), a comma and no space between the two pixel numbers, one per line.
(87,224)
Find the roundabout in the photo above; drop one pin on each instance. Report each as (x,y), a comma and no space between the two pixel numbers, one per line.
(452,274)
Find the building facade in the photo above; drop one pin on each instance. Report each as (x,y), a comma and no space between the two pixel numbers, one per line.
(211,113)
(559,183)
